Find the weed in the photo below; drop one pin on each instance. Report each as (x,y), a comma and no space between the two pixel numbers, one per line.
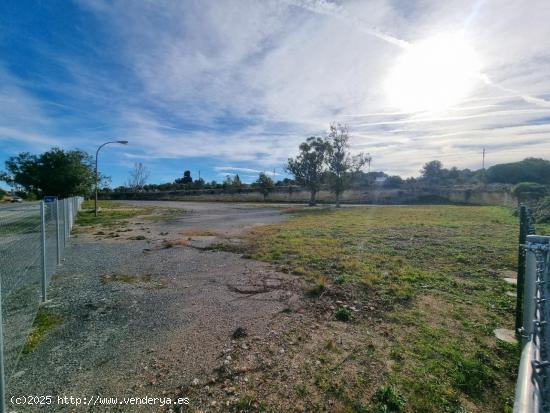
(138,238)
(317,289)
(43,322)
(343,314)
(388,399)
(300,390)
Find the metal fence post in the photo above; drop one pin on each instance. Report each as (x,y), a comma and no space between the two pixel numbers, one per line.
(58,241)
(64,223)
(529,296)
(523,230)
(43,239)
(2,378)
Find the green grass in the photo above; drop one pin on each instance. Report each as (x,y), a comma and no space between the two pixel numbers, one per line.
(110,213)
(343,314)
(432,274)
(43,322)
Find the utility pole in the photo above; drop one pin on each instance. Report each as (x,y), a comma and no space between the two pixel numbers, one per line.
(483,162)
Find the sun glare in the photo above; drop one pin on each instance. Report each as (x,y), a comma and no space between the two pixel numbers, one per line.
(433,75)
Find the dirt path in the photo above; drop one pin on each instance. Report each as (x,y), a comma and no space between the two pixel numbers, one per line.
(153,317)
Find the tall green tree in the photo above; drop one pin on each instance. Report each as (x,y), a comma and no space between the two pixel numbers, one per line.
(342,165)
(264,184)
(529,170)
(308,167)
(187,179)
(236,183)
(55,172)
(433,172)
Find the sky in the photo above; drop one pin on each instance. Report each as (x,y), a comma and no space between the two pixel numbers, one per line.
(234,86)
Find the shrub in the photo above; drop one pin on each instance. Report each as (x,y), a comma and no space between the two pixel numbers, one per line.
(388,399)
(529,191)
(541,210)
(343,314)
(318,288)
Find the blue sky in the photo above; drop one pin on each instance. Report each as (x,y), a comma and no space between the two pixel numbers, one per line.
(234,86)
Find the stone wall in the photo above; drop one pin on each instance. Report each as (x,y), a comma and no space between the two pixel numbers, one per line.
(483,195)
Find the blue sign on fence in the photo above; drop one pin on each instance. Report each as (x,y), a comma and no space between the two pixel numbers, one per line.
(48,199)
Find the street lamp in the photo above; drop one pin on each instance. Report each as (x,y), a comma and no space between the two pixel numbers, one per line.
(96,172)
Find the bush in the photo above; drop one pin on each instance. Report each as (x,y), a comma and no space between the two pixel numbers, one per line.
(541,210)
(529,191)
(388,399)
(343,314)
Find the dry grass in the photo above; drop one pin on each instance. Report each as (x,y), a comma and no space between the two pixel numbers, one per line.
(426,280)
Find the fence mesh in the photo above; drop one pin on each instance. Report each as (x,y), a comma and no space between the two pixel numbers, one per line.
(541,330)
(22,269)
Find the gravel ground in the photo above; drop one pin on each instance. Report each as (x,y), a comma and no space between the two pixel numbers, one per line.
(152,317)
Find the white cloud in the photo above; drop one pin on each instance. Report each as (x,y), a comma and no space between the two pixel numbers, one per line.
(245,81)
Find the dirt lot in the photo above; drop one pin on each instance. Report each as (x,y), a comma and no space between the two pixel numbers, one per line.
(147,311)
(365,309)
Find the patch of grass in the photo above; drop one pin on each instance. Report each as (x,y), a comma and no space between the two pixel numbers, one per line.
(44,321)
(343,314)
(434,270)
(199,233)
(138,238)
(318,288)
(174,243)
(109,214)
(388,399)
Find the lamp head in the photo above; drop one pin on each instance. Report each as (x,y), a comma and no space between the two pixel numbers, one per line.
(123,142)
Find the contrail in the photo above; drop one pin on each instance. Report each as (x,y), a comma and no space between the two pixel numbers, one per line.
(330,9)
(527,98)
(327,8)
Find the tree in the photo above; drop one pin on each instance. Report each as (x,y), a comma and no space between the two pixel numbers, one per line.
(187,179)
(308,167)
(528,170)
(341,164)
(199,183)
(236,182)
(433,172)
(394,181)
(138,176)
(529,191)
(264,184)
(55,172)
(227,182)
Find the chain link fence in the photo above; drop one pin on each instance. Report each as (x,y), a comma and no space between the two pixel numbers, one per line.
(533,383)
(33,236)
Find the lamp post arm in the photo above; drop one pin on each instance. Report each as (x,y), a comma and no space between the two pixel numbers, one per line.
(96,170)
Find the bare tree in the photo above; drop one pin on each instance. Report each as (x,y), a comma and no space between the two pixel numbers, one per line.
(341,163)
(138,176)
